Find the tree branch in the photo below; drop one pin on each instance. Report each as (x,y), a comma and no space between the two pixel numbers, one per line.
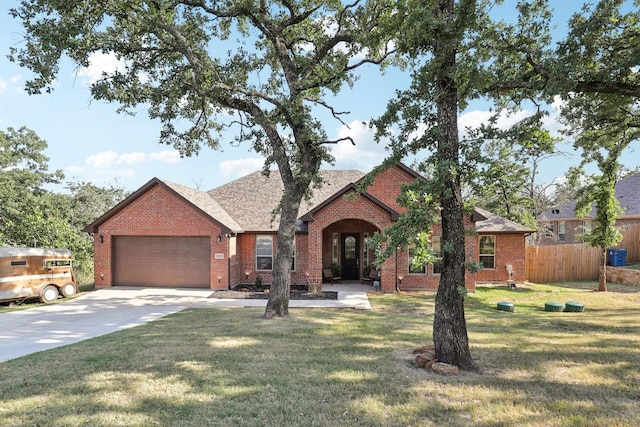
(335,141)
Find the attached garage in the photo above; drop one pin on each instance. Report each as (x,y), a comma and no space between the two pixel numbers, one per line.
(162,261)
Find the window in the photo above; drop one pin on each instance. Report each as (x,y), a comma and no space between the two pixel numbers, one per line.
(587,226)
(264,252)
(334,252)
(413,269)
(561,231)
(19,263)
(57,263)
(548,231)
(487,251)
(293,258)
(436,247)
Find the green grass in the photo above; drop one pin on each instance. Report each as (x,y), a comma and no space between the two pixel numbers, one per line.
(633,266)
(204,367)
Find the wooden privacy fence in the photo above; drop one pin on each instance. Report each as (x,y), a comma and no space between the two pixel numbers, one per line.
(631,241)
(566,263)
(561,263)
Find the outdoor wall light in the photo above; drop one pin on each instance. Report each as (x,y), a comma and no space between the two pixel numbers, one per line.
(101,238)
(246,274)
(219,279)
(219,238)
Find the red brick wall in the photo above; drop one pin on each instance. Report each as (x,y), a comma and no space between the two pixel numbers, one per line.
(159,212)
(429,280)
(246,265)
(510,250)
(358,210)
(387,184)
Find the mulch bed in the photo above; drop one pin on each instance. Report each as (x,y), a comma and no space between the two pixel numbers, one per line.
(298,292)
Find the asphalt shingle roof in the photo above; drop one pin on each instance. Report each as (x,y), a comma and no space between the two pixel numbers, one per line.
(497,224)
(246,204)
(252,198)
(627,193)
(206,203)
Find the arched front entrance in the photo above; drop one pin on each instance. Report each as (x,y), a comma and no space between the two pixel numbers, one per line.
(345,247)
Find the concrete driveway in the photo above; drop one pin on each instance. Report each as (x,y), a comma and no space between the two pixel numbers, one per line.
(113,309)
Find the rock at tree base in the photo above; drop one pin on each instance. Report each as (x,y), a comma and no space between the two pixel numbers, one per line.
(445,369)
(424,360)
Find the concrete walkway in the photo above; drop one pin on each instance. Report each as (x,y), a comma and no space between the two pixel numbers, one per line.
(112,309)
(349,296)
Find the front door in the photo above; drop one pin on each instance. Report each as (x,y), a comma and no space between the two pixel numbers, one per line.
(350,257)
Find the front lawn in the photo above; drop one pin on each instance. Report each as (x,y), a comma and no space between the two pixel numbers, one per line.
(205,367)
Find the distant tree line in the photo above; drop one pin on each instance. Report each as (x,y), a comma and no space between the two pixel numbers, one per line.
(32,215)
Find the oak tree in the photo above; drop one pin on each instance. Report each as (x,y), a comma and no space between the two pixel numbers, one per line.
(256,68)
(457,53)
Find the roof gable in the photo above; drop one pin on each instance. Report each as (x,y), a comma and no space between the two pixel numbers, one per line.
(253,198)
(627,192)
(198,199)
(347,189)
(493,223)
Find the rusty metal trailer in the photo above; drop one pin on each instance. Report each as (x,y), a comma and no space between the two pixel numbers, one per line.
(36,273)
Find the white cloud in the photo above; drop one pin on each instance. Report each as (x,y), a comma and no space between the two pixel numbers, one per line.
(364,155)
(99,64)
(132,158)
(103,160)
(473,119)
(166,156)
(241,167)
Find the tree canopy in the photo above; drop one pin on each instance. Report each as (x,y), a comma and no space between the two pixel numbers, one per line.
(458,53)
(33,215)
(202,67)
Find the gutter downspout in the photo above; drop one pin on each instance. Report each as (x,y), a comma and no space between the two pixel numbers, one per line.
(396,272)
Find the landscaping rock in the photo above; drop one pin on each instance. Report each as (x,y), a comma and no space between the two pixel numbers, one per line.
(424,349)
(424,360)
(445,369)
(425,356)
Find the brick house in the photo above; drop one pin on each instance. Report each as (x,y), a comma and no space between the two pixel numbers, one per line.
(165,234)
(562,227)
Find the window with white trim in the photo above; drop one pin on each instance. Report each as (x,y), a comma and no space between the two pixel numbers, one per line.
(561,231)
(264,252)
(587,226)
(436,247)
(411,248)
(293,258)
(487,251)
(334,251)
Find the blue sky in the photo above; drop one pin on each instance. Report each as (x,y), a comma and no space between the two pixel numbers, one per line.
(89,141)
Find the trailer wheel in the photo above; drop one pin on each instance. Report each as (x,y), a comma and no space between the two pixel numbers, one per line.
(49,294)
(68,290)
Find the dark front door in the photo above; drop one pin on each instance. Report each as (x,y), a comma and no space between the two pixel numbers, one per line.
(350,257)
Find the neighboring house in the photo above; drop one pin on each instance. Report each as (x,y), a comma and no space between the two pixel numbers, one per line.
(562,226)
(166,234)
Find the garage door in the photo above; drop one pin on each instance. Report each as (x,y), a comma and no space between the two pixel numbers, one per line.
(162,261)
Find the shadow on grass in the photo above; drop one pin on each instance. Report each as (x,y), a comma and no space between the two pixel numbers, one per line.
(336,367)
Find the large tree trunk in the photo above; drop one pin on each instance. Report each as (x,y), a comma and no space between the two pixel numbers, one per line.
(602,277)
(278,303)
(449,325)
